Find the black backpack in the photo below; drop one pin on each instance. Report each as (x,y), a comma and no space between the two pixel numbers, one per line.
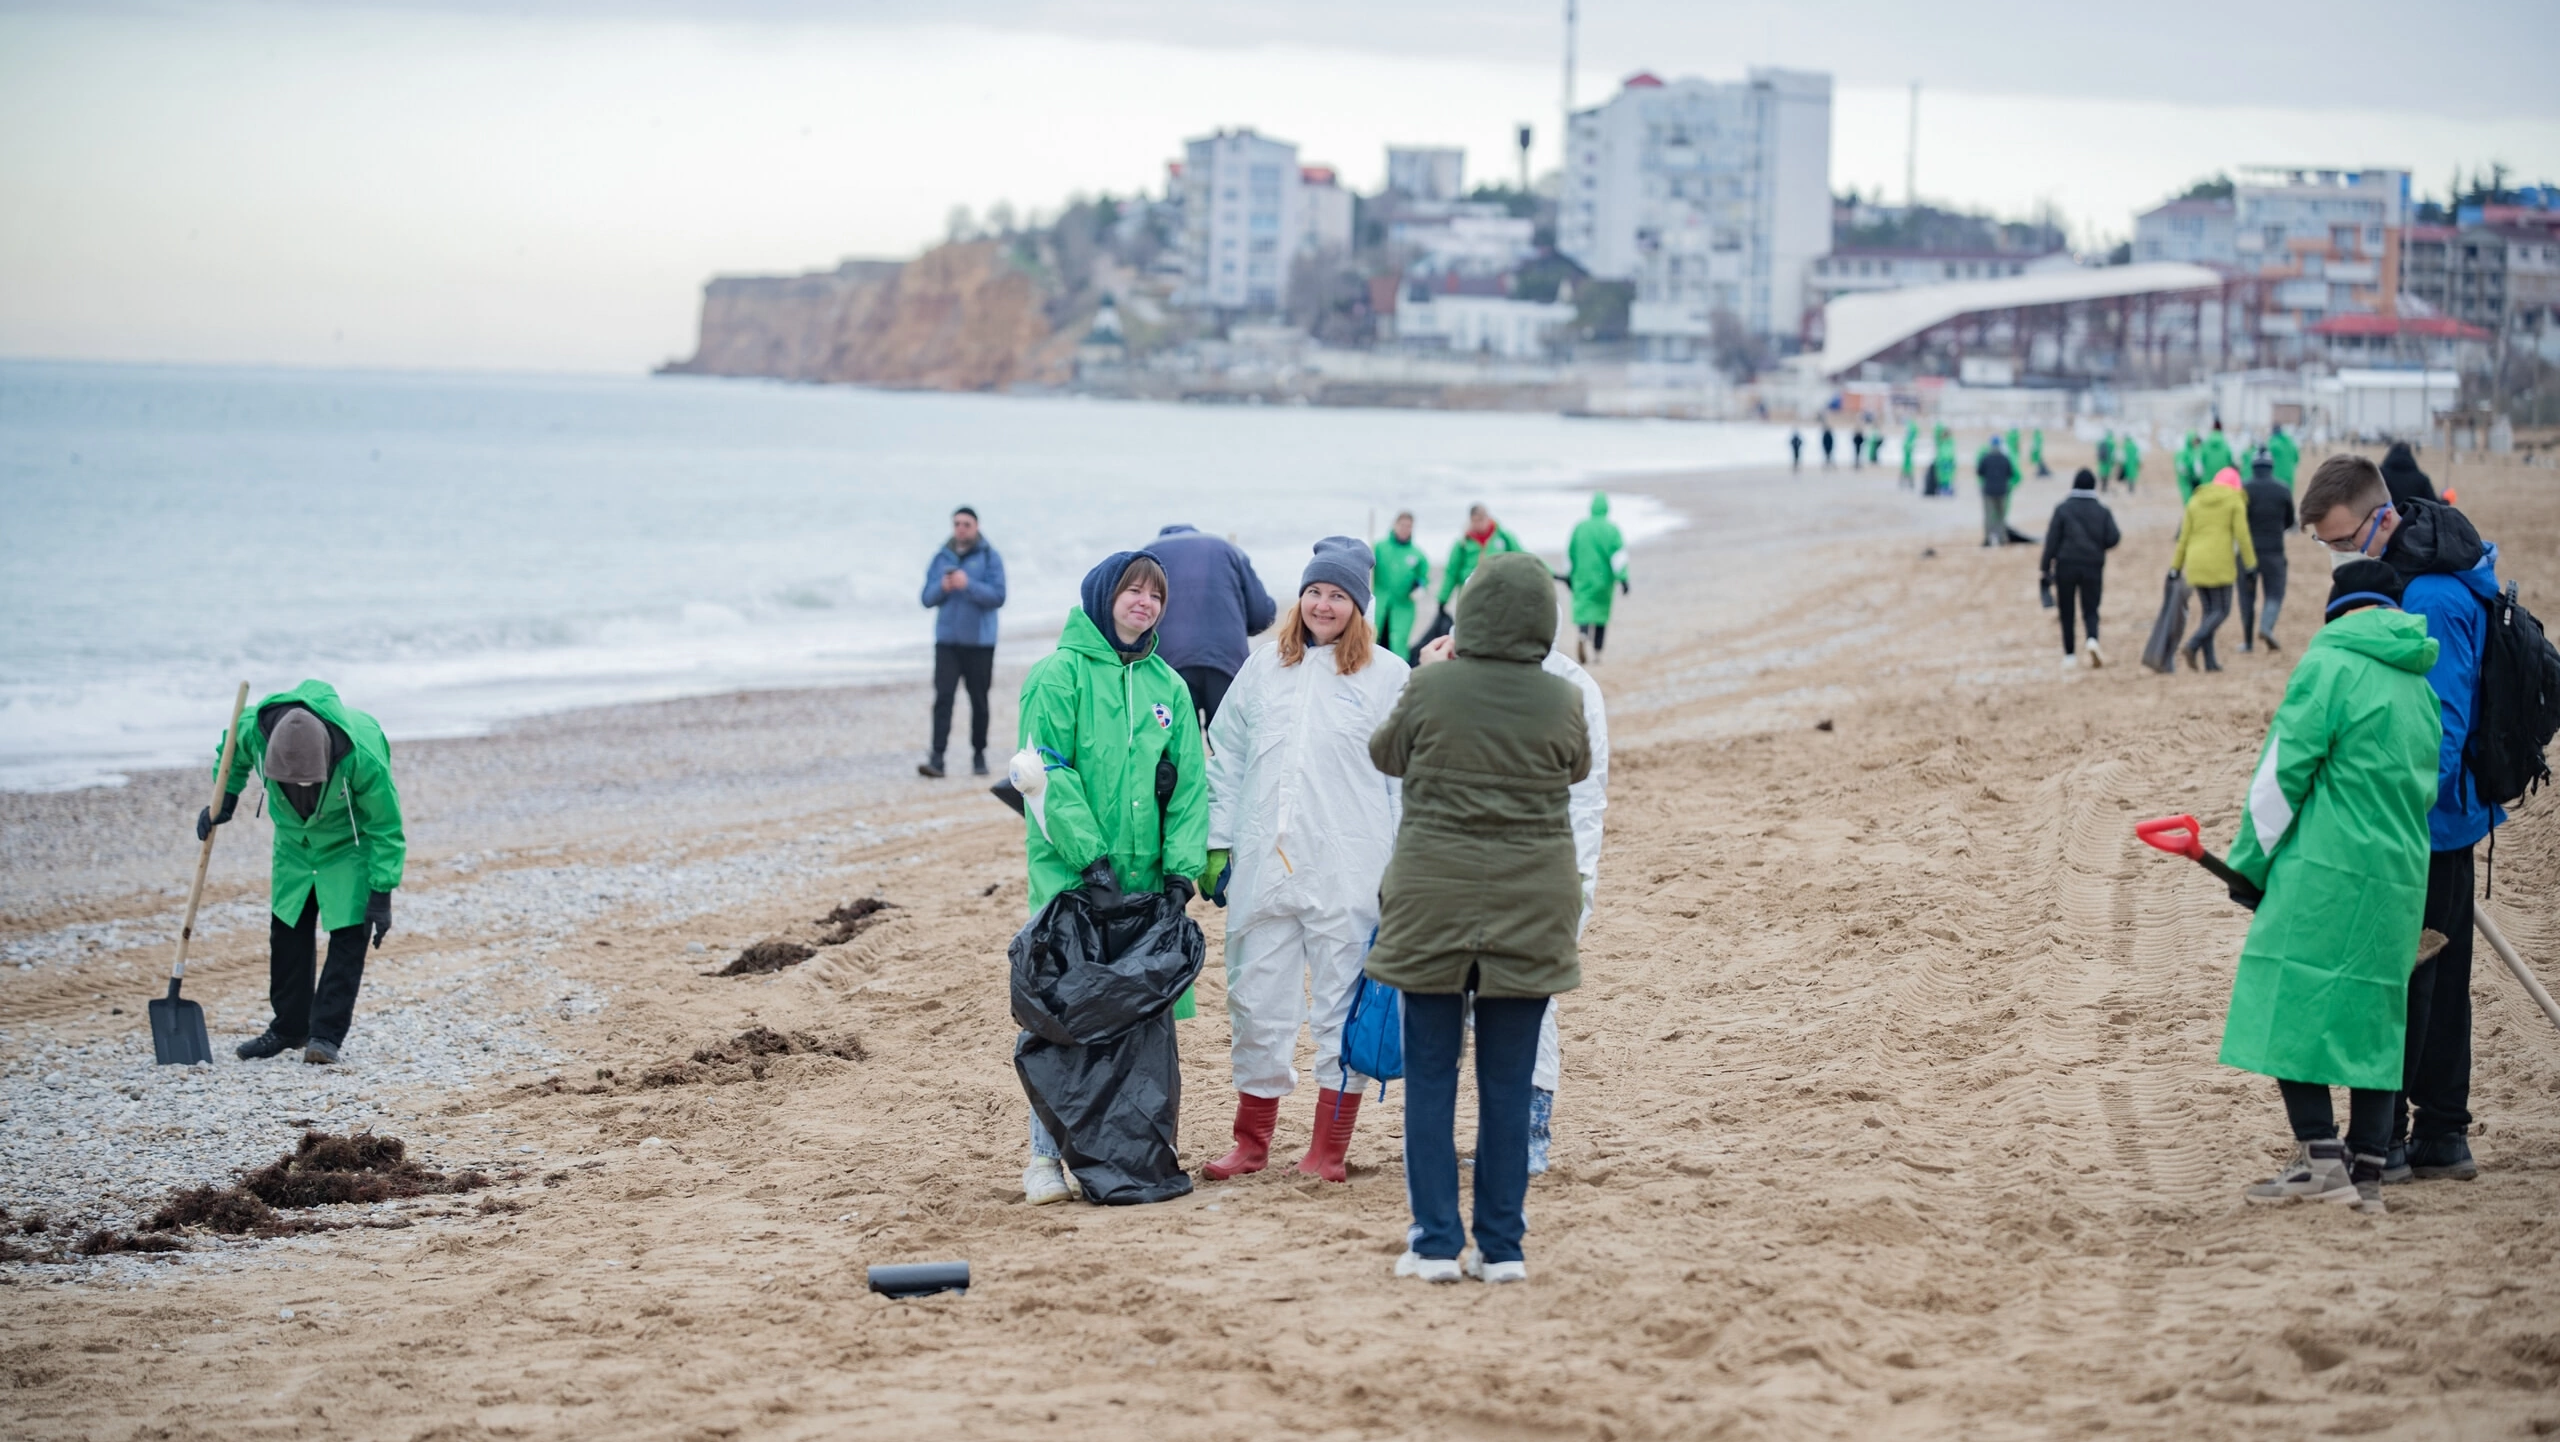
(2518,705)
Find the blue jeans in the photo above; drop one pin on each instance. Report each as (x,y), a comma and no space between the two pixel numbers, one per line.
(1435,1033)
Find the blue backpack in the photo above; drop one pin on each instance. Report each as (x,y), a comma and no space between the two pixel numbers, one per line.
(1373,1034)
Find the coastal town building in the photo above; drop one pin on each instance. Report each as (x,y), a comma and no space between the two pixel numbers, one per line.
(2503,279)
(1242,221)
(1325,209)
(1419,172)
(1443,316)
(2195,232)
(1712,198)
(2322,242)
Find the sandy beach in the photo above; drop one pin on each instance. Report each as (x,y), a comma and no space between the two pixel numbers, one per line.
(1890,1105)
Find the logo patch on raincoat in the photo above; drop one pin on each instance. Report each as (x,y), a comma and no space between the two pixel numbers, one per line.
(1164,715)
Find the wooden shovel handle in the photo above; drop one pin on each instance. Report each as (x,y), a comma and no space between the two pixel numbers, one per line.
(204,853)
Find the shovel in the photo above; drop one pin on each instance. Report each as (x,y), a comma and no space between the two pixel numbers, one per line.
(177,1025)
(2181,836)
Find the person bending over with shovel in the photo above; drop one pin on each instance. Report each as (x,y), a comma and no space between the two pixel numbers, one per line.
(339,851)
(2335,837)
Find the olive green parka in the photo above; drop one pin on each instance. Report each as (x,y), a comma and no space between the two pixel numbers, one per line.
(1488,745)
(352,844)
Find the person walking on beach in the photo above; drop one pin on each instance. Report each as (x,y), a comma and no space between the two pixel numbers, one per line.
(1300,828)
(1795,450)
(1596,560)
(1402,571)
(2450,574)
(2106,458)
(2213,456)
(1485,537)
(2401,476)
(2076,542)
(2214,529)
(2037,454)
(1995,473)
(2128,462)
(2190,454)
(2333,835)
(1942,471)
(1910,449)
(2286,453)
(1108,716)
(2270,517)
(339,853)
(1826,443)
(1858,446)
(1488,746)
(964,585)
(1214,601)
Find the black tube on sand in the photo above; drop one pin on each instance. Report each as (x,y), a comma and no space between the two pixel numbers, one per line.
(920,1279)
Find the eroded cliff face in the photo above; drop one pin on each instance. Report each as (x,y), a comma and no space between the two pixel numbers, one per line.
(960,317)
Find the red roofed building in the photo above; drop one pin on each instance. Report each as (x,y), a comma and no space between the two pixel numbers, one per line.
(2400,340)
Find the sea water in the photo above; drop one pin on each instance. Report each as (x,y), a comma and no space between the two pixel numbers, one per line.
(452,551)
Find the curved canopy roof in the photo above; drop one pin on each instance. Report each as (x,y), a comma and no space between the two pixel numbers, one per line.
(1857,328)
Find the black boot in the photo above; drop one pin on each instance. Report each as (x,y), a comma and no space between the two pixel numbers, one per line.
(932,767)
(264,1045)
(978,762)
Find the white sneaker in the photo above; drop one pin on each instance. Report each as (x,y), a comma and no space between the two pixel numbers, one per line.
(1496,1273)
(2070,662)
(2097,658)
(1044,1181)
(1429,1269)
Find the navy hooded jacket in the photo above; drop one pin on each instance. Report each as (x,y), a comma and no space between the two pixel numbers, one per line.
(1216,602)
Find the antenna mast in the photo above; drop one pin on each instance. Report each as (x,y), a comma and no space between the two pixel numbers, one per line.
(1911,154)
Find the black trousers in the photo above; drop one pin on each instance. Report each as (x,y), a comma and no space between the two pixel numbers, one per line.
(953,664)
(2215,610)
(2435,1074)
(1208,688)
(291,953)
(2307,1107)
(1598,631)
(2084,587)
(2269,578)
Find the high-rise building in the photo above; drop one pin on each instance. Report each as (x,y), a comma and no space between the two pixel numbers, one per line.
(1712,197)
(2327,241)
(2198,232)
(1324,210)
(1242,221)
(1426,172)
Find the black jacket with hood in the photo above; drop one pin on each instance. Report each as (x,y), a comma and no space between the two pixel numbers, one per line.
(2400,472)
(2079,536)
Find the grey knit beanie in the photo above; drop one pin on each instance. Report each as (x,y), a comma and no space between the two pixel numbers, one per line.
(298,749)
(1344,562)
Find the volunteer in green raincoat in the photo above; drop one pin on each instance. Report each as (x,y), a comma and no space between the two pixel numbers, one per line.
(339,853)
(2190,453)
(1402,570)
(2286,453)
(2213,455)
(2014,452)
(2036,440)
(1596,557)
(1101,712)
(2334,833)
(1943,468)
(1910,448)
(1484,537)
(2128,461)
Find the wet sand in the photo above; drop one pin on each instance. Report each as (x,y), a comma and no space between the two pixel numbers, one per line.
(1890,1105)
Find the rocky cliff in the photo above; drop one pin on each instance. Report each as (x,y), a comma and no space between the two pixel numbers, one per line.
(961,317)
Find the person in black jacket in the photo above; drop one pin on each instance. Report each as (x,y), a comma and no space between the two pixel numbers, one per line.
(2076,542)
(1995,472)
(2401,476)
(2270,516)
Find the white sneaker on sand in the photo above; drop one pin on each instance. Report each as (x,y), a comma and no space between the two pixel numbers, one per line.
(1495,1273)
(1044,1181)
(1429,1269)
(2097,658)
(2070,662)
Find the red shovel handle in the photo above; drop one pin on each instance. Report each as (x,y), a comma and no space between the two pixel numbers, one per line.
(2177,835)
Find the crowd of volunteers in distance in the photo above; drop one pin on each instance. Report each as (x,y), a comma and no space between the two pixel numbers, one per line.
(1361,779)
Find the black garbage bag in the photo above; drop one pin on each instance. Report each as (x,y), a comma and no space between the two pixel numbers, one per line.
(1094,982)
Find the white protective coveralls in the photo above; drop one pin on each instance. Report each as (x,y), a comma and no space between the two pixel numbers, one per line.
(1584,803)
(1309,824)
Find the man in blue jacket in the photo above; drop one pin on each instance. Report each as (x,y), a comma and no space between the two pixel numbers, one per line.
(966,580)
(2450,574)
(1213,602)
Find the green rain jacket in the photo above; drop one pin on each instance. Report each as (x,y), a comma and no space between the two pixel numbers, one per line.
(1910,446)
(1945,464)
(1466,554)
(2214,528)
(1489,746)
(2286,454)
(2211,457)
(1101,726)
(353,844)
(1396,579)
(2336,835)
(2128,461)
(1597,559)
(2190,452)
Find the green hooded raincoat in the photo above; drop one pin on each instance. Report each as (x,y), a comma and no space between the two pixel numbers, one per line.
(1597,559)
(353,844)
(2286,453)
(2335,832)
(1101,726)
(1396,581)
(1488,745)
(1467,553)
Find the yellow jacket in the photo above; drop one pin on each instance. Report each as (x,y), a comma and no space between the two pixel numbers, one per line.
(2216,524)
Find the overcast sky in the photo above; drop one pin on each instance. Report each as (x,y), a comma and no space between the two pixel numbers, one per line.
(545,186)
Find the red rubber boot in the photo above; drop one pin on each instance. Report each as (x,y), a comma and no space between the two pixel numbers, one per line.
(1255,1117)
(1335,1114)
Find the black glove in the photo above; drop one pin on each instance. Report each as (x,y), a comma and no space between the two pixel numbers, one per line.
(377,914)
(206,820)
(2248,896)
(1099,880)
(1623,587)
(1181,889)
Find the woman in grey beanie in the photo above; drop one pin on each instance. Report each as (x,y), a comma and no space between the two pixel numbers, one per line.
(1300,828)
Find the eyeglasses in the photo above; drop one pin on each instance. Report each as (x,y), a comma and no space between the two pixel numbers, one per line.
(2361,536)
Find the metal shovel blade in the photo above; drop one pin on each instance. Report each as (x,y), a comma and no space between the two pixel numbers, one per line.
(177,1030)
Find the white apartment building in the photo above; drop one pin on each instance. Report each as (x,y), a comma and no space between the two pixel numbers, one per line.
(1243,221)
(1326,209)
(1492,325)
(2330,241)
(1709,196)
(2198,232)
(1427,172)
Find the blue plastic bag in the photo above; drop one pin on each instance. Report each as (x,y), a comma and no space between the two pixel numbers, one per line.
(1373,1033)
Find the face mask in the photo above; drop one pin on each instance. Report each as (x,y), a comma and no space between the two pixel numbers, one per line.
(2342,558)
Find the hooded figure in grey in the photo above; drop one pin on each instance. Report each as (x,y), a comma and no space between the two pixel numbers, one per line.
(297,757)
